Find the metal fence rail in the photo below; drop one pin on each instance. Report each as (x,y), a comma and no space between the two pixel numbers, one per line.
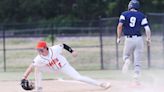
(95,42)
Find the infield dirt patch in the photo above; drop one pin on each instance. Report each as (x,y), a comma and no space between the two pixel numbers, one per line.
(75,86)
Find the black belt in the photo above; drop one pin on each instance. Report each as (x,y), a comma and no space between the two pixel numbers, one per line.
(130,36)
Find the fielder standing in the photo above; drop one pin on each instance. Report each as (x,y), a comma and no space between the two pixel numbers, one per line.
(50,59)
(130,22)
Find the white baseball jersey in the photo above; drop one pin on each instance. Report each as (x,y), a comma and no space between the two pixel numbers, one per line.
(54,60)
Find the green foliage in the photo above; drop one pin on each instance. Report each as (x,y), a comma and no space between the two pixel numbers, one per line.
(111,6)
(49,38)
(60,11)
(152,6)
(64,20)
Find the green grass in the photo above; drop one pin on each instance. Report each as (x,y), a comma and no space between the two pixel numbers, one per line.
(88,58)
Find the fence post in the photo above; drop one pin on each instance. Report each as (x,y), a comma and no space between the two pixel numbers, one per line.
(4,49)
(52,34)
(148,55)
(117,53)
(163,36)
(101,44)
(101,50)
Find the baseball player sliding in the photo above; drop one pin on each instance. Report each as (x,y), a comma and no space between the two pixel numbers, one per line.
(130,22)
(50,59)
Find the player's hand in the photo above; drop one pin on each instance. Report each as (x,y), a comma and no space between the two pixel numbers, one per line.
(118,40)
(74,53)
(24,77)
(148,41)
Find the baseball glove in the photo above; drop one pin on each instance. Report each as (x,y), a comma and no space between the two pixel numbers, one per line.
(26,85)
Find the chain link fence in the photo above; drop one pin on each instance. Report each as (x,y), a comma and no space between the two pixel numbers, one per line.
(95,42)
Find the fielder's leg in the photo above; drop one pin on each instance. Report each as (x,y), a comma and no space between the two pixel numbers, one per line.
(38,80)
(70,71)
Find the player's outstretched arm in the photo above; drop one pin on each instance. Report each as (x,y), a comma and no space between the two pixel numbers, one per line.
(28,71)
(25,83)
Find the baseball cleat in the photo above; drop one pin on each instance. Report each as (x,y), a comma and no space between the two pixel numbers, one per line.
(136,78)
(125,67)
(105,85)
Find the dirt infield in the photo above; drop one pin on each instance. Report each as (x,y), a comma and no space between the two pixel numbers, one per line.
(151,81)
(75,86)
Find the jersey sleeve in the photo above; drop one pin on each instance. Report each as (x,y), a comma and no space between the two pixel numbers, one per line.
(144,22)
(122,18)
(37,61)
(57,49)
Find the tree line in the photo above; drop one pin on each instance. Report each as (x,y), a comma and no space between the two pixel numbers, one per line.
(30,11)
